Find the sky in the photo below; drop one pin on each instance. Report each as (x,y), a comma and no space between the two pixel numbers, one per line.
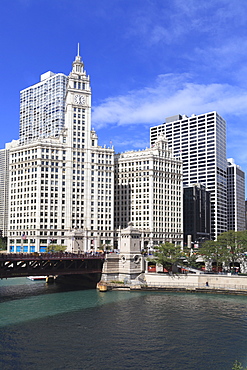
(147,60)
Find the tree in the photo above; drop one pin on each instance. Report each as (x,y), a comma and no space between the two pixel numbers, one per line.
(213,251)
(229,248)
(55,248)
(167,254)
(3,244)
(191,258)
(235,242)
(238,366)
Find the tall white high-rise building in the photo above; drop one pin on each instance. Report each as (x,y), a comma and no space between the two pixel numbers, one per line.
(4,182)
(4,187)
(149,193)
(4,191)
(61,180)
(42,108)
(235,196)
(200,141)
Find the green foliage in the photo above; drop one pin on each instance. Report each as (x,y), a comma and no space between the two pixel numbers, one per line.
(167,254)
(55,248)
(238,366)
(235,243)
(3,244)
(116,282)
(214,251)
(229,248)
(192,259)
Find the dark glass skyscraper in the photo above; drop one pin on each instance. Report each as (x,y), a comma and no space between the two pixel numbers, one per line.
(197,214)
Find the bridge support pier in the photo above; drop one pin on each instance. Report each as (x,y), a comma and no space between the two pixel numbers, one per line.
(50,279)
(129,264)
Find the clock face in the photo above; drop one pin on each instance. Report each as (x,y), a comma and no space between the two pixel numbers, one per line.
(80,99)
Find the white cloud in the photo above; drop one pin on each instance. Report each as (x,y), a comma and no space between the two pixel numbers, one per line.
(228,55)
(170,94)
(162,22)
(128,117)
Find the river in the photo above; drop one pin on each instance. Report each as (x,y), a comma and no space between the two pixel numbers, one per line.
(53,327)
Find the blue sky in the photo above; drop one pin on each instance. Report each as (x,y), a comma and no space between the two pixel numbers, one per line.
(148,60)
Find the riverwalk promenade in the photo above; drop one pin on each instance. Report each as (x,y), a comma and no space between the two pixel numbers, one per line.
(204,283)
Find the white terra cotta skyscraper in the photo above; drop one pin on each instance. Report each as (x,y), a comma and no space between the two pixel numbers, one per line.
(61,181)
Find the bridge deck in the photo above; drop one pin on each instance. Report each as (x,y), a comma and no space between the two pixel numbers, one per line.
(34,264)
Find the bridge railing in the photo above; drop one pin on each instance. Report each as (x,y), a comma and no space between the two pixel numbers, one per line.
(48,256)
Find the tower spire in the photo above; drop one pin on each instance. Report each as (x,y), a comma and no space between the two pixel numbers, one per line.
(78,57)
(78,63)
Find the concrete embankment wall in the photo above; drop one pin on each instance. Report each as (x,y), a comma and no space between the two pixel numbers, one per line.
(227,282)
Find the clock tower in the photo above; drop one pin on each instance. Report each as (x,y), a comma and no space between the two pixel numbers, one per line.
(89,171)
(72,177)
(78,103)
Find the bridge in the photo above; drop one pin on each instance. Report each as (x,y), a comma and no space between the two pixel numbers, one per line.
(49,264)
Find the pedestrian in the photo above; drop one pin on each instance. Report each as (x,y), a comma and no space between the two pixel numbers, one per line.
(207,284)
